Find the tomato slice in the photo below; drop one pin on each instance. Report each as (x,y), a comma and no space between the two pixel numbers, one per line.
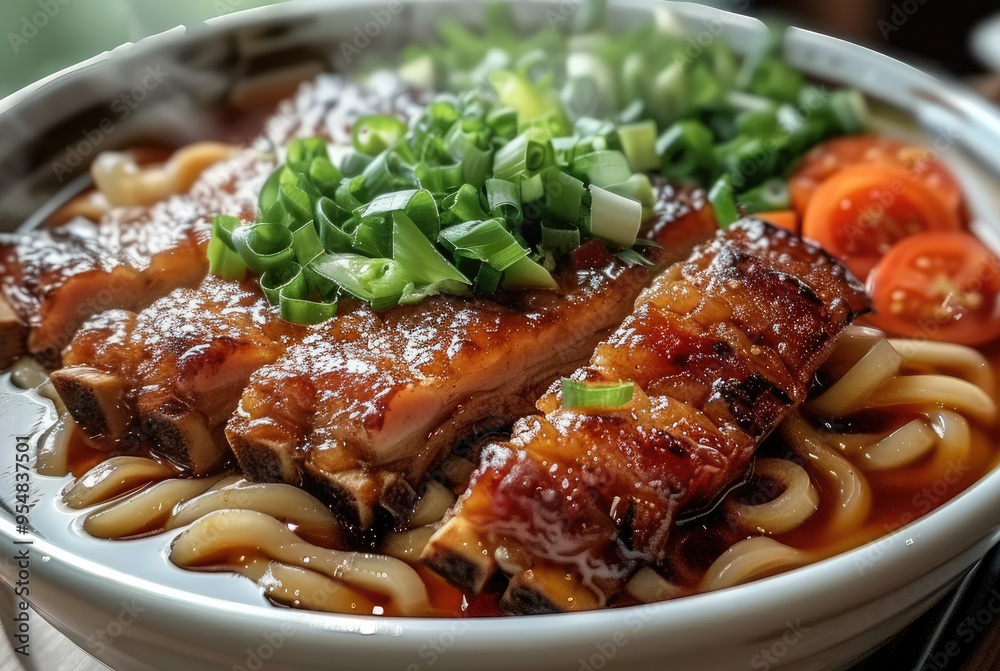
(786,219)
(860,212)
(829,158)
(941,285)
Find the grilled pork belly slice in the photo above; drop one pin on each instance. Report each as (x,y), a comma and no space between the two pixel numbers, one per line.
(52,280)
(363,407)
(165,380)
(720,348)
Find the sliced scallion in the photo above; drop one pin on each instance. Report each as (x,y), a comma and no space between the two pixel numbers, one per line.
(223,260)
(562,194)
(771,195)
(414,252)
(723,202)
(601,168)
(486,240)
(596,395)
(525,155)
(527,274)
(639,144)
(613,218)
(264,246)
(374,134)
(504,200)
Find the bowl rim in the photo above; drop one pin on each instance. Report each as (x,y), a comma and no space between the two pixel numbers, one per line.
(914,549)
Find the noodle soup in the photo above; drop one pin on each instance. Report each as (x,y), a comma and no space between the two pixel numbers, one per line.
(893,429)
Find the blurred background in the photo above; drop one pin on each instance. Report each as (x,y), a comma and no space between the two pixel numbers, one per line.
(43,36)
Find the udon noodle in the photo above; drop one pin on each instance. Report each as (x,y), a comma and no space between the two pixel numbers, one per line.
(888,414)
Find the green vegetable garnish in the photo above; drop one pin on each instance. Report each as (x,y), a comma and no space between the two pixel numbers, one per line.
(536,144)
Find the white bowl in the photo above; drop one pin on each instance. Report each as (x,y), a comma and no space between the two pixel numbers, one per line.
(124,602)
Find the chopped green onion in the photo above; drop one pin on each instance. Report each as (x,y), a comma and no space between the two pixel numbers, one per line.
(562,194)
(387,172)
(354,163)
(704,89)
(372,236)
(306,243)
(613,218)
(462,206)
(532,188)
(515,90)
(464,146)
(374,134)
(223,260)
(486,240)
(302,311)
(602,168)
(527,274)
(223,226)
(418,204)
(294,199)
(504,200)
(772,194)
(536,144)
(503,121)
(325,175)
(301,152)
(287,277)
(329,218)
(414,252)
(685,150)
(264,246)
(775,79)
(378,281)
(639,144)
(488,278)
(525,155)
(559,240)
(850,110)
(637,187)
(598,395)
(439,179)
(723,202)
(418,71)
(668,97)
(634,258)
(269,192)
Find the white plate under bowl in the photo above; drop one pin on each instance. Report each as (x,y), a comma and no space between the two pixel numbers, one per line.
(124,602)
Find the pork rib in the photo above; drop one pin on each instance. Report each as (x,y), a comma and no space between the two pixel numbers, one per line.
(362,408)
(720,348)
(53,280)
(166,380)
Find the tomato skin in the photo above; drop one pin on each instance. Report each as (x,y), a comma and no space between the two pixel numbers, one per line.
(860,212)
(938,285)
(786,219)
(829,158)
